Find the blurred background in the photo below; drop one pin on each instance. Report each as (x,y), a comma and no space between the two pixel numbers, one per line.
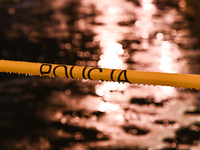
(68,114)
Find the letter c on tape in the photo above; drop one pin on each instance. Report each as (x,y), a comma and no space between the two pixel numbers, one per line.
(100,70)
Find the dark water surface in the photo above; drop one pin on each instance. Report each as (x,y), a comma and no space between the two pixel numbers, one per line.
(56,113)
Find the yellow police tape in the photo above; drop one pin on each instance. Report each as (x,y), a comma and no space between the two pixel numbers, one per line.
(94,73)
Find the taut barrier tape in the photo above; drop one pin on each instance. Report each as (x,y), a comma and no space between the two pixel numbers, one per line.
(94,73)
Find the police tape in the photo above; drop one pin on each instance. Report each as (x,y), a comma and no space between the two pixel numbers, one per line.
(103,74)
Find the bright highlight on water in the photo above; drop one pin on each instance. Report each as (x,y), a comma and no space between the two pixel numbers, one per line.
(103,74)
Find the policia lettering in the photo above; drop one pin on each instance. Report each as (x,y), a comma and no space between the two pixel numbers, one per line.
(84,72)
(131,76)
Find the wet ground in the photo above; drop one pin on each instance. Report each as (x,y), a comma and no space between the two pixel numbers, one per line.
(58,113)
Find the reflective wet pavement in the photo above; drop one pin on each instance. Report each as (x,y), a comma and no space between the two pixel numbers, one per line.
(58,113)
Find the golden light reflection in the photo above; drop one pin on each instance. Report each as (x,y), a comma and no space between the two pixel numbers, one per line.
(159,36)
(109,35)
(165,58)
(148,7)
(161,55)
(112,10)
(166,63)
(145,24)
(145,35)
(168,91)
(110,57)
(107,107)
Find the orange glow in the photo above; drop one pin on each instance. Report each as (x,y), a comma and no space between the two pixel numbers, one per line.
(11,11)
(63,120)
